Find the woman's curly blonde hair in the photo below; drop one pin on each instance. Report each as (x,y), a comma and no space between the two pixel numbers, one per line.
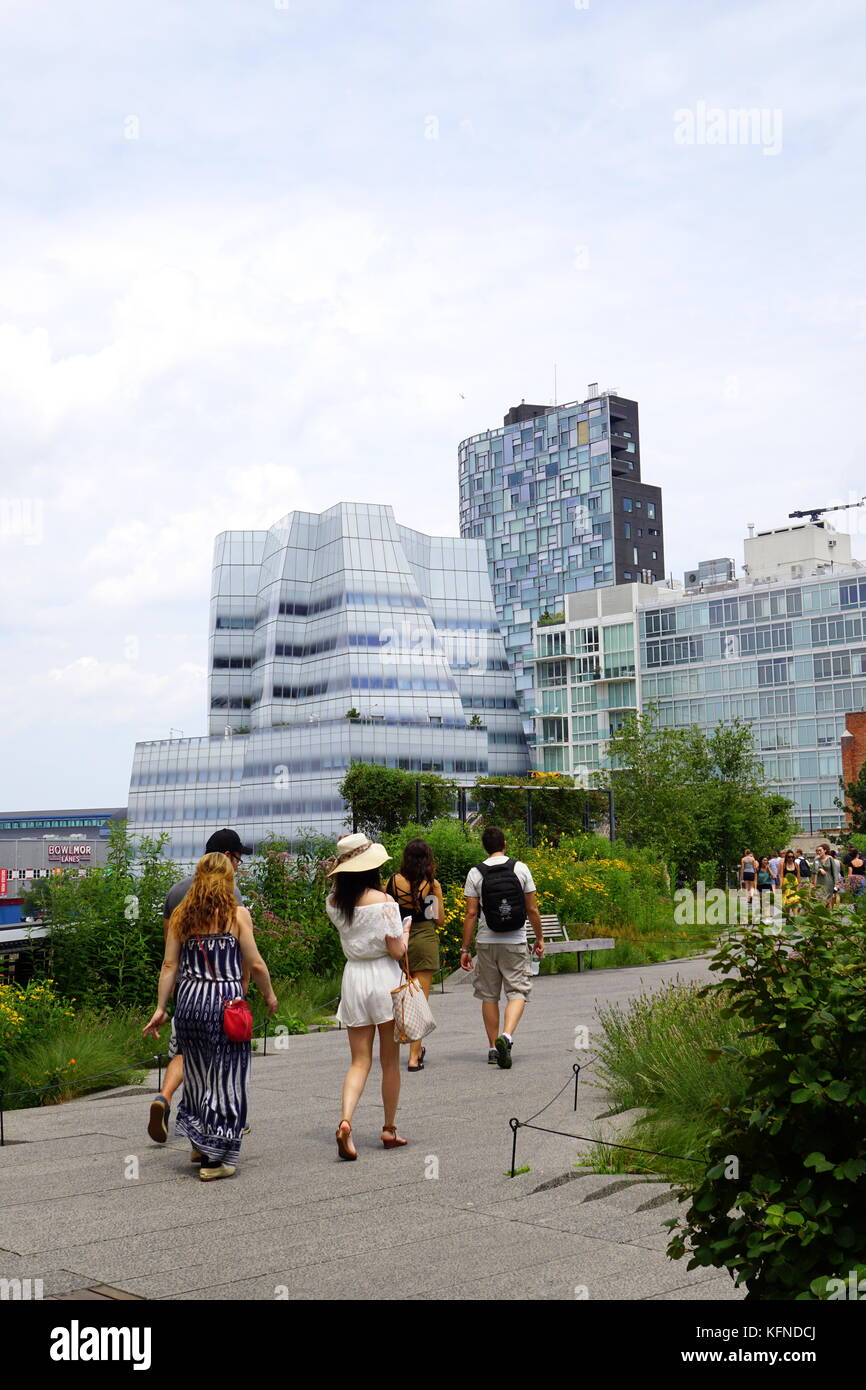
(210,899)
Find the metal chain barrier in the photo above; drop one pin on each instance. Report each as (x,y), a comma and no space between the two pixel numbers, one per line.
(515,1124)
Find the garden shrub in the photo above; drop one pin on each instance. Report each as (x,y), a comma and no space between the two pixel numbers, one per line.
(455,848)
(27,1012)
(781,1203)
(107,935)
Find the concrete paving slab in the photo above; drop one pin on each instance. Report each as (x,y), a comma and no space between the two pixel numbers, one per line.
(296,1218)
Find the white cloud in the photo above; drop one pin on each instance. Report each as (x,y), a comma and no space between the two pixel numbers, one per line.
(281,295)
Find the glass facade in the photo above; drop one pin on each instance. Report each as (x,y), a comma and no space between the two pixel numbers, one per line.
(547,494)
(789,657)
(319,616)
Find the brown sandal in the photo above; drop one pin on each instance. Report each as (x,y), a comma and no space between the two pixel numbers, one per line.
(396,1142)
(342,1147)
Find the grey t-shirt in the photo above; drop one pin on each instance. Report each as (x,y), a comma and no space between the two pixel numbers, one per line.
(473,890)
(178,892)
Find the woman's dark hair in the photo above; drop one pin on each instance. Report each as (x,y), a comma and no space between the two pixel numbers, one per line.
(348,888)
(418,866)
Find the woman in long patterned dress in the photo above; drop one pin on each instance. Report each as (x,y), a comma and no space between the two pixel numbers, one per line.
(209,940)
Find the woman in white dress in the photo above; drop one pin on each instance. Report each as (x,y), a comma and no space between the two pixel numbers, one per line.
(374,940)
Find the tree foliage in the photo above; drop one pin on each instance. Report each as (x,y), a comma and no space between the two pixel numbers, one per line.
(382,799)
(558,806)
(285,892)
(106,935)
(697,799)
(856,802)
(780,1205)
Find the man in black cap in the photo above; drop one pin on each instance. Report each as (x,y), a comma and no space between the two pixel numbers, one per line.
(227,842)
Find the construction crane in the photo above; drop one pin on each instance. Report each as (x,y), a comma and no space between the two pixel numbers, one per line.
(814,512)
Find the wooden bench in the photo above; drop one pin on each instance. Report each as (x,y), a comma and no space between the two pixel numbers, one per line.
(557,940)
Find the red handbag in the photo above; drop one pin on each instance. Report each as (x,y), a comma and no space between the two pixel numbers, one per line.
(237,1014)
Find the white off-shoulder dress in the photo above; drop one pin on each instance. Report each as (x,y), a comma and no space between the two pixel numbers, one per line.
(370,973)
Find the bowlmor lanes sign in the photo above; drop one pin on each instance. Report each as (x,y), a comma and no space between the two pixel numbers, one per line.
(70,853)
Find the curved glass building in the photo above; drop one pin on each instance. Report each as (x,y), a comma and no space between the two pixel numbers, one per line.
(333,637)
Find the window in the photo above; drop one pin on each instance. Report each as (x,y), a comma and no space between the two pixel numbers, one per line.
(626,530)
(651,510)
(626,574)
(627,504)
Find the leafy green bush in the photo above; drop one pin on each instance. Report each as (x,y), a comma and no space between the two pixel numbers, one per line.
(382,799)
(781,1205)
(558,806)
(286,897)
(107,936)
(27,1012)
(455,849)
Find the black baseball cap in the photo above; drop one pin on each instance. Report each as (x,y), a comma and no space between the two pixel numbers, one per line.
(226,842)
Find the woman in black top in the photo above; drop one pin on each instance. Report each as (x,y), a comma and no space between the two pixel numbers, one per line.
(419,893)
(856,880)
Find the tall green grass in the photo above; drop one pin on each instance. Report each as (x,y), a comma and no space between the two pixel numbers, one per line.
(672,1053)
(93,1051)
(307,1001)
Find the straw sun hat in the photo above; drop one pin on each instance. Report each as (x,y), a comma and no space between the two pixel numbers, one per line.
(355,853)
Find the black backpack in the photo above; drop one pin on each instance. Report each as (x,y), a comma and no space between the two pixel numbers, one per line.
(502,899)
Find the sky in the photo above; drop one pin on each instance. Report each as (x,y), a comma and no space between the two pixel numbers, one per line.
(258,255)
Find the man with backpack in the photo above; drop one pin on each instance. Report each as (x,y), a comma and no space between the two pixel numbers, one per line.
(506,892)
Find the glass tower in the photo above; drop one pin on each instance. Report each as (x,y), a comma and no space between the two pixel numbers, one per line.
(783,649)
(556,495)
(333,637)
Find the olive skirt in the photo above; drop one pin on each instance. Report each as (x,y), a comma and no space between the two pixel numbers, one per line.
(423,947)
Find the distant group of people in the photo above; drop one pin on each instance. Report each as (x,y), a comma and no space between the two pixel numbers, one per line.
(211,956)
(789,870)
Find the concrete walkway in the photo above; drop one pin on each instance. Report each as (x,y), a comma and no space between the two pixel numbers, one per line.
(295,1222)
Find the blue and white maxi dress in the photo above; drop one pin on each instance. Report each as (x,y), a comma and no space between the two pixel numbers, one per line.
(213,1111)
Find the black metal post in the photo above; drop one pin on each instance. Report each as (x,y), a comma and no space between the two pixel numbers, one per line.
(265,1050)
(461,804)
(611,815)
(418,800)
(515,1125)
(585,814)
(354,820)
(811,831)
(576,1070)
(529,825)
